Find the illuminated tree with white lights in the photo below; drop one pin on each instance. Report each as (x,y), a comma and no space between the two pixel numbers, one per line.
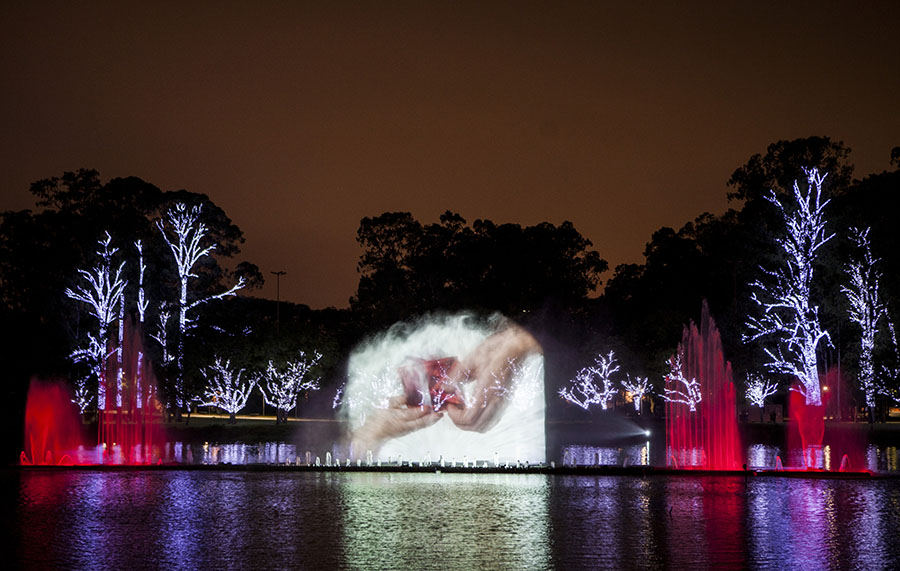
(638,387)
(103,295)
(866,310)
(225,389)
(187,249)
(788,316)
(593,384)
(678,387)
(758,390)
(282,386)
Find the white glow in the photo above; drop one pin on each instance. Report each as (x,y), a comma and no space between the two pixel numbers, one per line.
(758,389)
(103,294)
(638,387)
(788,315)
(593,384)
(678,388)
(187,249)
(284,385)
(224,387)
(866,309)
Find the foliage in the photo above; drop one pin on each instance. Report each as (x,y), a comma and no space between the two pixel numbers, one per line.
(407,268)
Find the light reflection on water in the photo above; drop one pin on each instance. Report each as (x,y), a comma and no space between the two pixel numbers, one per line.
(758,456)
(200,519)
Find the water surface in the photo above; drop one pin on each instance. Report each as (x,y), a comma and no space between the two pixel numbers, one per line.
(182,519)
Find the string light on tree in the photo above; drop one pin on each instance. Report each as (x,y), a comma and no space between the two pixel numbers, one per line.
(187,248)
(866,309)
(225,389)
(638,387)
(282,386)
(788,316)
(593,384)
(679,388)
(103,295)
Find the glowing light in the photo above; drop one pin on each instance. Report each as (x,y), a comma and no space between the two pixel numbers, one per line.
(142,302)
(638,388)
(866,310)
(758,389)
(283,386)
(678,388)
(103,294)
(594,384)
(225,389)
(788,315)
(187,250)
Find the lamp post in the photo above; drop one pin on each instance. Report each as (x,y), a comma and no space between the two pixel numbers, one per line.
(278,275)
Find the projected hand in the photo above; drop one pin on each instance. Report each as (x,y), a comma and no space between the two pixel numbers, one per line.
(490,368)
(386,423)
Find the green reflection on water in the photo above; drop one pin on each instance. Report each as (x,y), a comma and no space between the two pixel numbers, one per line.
(446,521)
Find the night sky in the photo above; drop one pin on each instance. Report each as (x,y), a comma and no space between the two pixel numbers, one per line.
(299,121)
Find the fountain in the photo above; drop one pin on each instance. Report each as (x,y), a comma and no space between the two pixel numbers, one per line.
(130,419)
(129,416)
(701,431)
(52,425)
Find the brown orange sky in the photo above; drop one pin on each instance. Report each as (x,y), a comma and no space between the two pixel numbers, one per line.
(301,118)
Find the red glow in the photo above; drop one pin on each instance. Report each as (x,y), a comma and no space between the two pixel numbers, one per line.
(52,425)
(708,437)
(135,426)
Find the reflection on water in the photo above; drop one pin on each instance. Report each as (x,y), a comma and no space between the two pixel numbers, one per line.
(190,519)
(759,456)
(446,521)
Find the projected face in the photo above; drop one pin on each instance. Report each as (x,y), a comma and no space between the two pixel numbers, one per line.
(448,388)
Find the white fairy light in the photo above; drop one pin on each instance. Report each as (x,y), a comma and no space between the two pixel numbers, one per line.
(639,387)
(759,389)
(594,384)
(680,389)
(788,315)
(225,389)
(866,309)
(103,294)
(283,386)
(187,249)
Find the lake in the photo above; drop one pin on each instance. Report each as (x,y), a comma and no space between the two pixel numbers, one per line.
(188,519)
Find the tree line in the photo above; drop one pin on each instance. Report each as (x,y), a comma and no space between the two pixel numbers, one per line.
(548,277)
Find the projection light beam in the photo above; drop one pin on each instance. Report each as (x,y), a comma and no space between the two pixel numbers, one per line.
(788,315)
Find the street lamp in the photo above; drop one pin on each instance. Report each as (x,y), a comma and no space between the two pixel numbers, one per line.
(278,275)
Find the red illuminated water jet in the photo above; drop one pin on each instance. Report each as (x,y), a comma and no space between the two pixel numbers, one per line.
(704,434)
(52,425)
(130,418)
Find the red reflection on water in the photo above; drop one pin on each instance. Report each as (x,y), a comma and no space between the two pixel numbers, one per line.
(810,423)
(844,446)
(52,425)
(707,437)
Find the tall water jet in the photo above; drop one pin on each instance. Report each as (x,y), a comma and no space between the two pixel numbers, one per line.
(701,416)
(130,417)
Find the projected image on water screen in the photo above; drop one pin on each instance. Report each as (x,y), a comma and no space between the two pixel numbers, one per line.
(453,388)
